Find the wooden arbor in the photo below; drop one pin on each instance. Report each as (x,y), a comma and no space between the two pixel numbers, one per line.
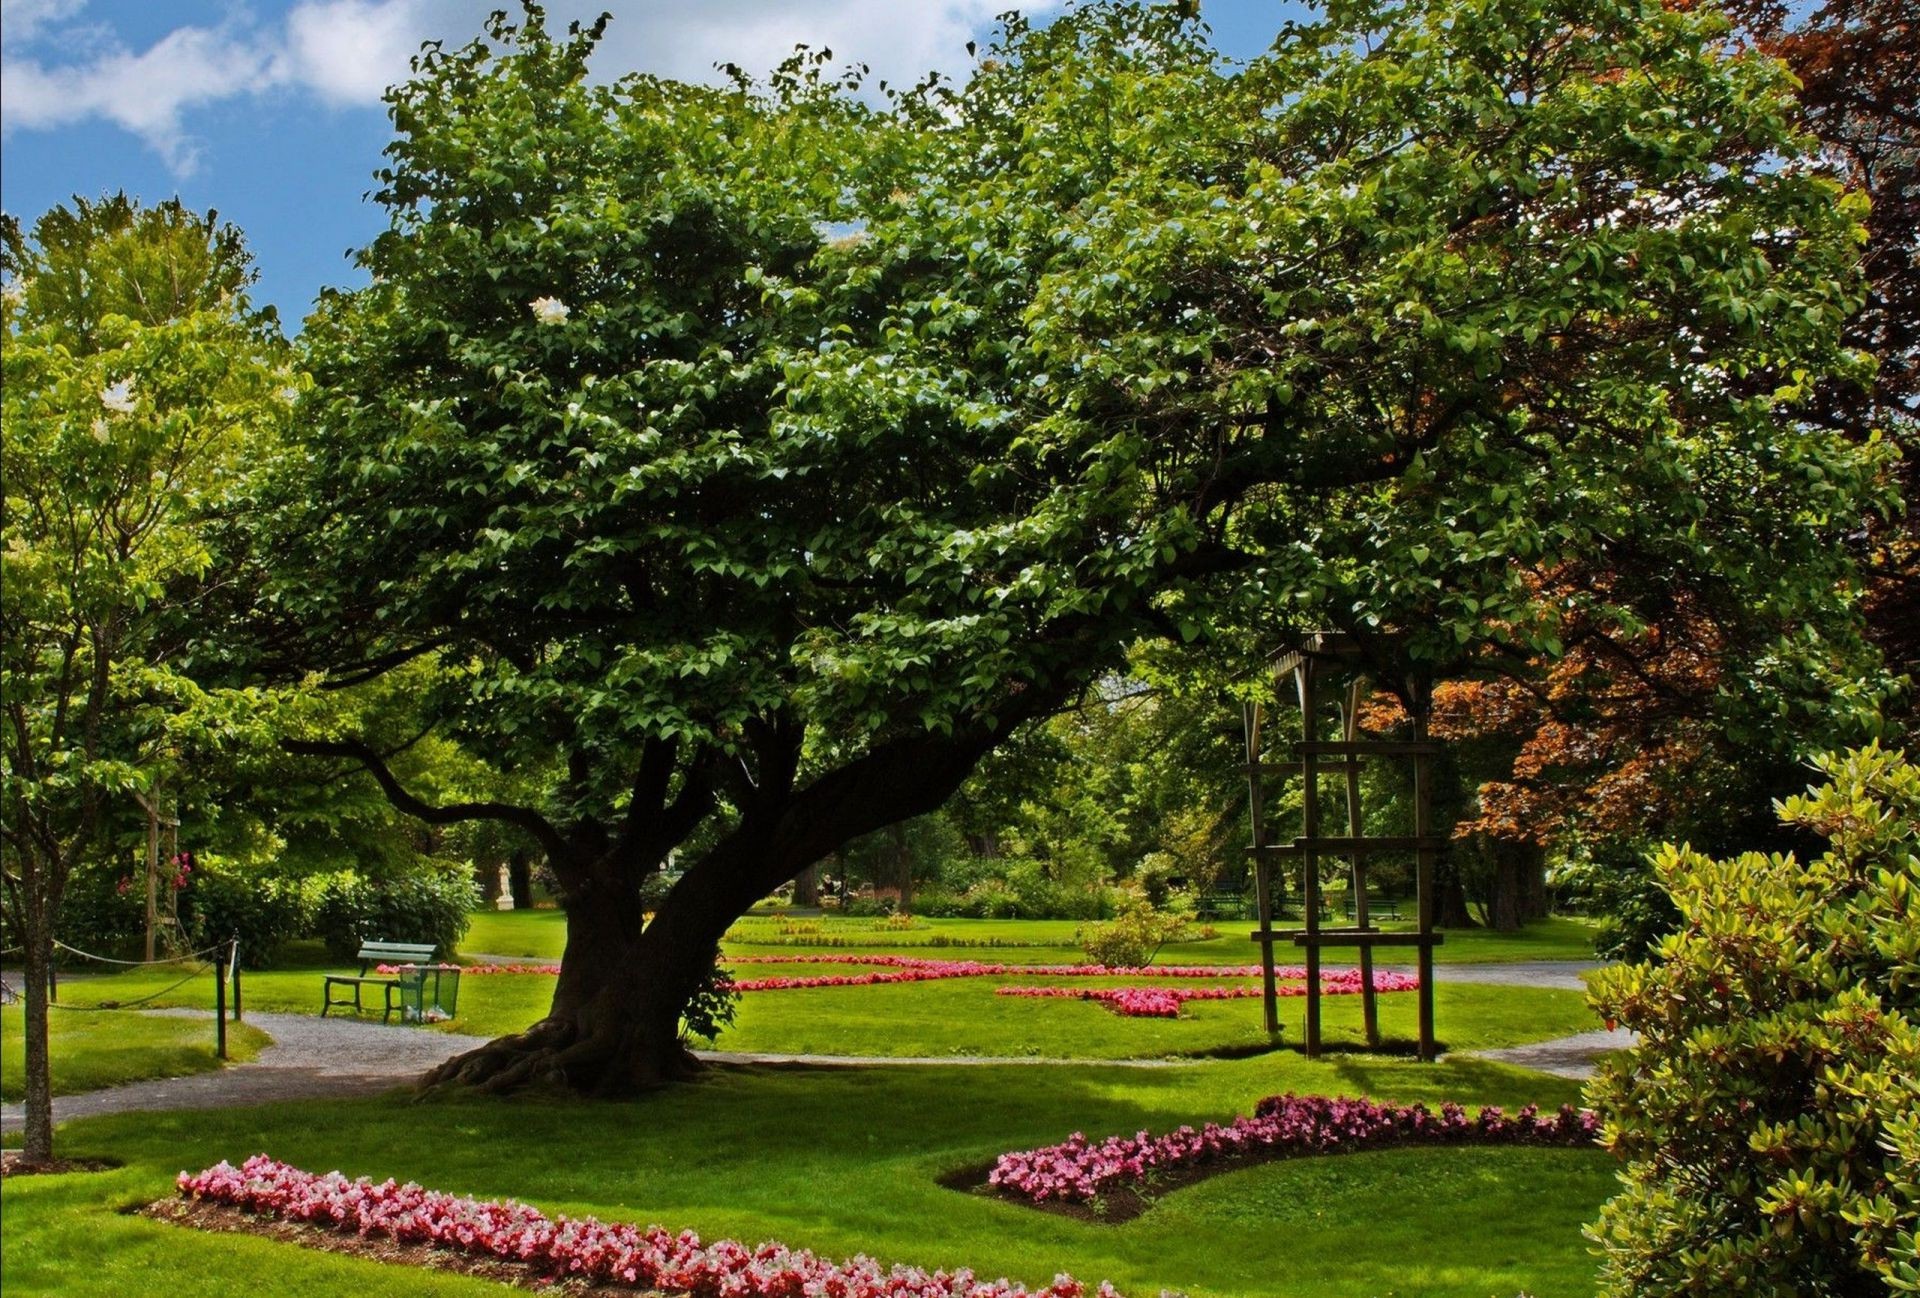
(1333,660)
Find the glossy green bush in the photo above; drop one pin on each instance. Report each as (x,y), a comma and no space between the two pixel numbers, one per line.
(424,905)
(262,911)
(1770,1118)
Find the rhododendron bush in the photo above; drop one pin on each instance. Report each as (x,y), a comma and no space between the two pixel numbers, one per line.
(1079,1169)
(579,1248)
(1769,1119)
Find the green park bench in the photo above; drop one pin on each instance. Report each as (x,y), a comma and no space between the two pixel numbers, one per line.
(1377,907)
(372,954)
(1220,905)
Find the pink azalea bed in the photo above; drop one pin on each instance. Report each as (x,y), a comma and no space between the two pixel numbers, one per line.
(1078,1169)
(1138,1002)
(561,1247)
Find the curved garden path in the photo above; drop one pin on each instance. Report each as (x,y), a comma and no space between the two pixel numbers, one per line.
(314,1058)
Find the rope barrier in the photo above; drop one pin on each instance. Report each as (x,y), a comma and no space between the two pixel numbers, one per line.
(127,1005)
(107,959)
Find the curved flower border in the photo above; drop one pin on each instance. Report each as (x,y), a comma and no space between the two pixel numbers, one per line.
(595,1251)
(911,969)
(1165,1002)
(1079,1169)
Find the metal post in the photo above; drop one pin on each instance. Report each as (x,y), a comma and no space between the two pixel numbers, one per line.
(1422,828)
(1356,829)
(234,965)
(153,871)
(219,1006)
(1262,877)
(1309,858)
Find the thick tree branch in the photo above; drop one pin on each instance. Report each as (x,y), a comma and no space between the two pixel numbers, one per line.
(353,750)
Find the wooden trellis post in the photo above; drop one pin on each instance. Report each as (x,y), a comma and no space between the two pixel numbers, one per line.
(1320,655)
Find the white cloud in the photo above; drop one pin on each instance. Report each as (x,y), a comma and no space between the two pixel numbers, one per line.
(346,52)
(144,93)
(350,51)
(21,20)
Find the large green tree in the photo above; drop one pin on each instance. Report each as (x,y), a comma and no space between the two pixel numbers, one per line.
(758,458)
(138,381)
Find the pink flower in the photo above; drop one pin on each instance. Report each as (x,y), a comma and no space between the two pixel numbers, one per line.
(597,1252)
(1078,1169)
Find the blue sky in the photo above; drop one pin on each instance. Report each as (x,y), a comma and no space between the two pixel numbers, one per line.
(269,110)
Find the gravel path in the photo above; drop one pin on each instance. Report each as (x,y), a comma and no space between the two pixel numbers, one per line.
(310,1057)
(1576,1056)
(1563,975)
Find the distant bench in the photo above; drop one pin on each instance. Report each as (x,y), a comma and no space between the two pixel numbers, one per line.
(372,954)
(1376,907)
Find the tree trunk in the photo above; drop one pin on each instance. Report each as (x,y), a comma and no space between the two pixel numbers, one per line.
(520,879)
(903,866)
(1535,903)
(1503,903)
(613,1027)
(38,940)
(806,886)
(1450,896)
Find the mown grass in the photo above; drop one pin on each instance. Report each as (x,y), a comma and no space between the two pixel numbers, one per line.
(542,934)
(963,1016)
(89,1050)
(846,1161)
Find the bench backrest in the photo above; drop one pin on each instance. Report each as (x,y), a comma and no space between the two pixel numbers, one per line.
(395,953)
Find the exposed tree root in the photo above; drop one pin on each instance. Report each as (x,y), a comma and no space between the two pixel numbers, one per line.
(558,1055)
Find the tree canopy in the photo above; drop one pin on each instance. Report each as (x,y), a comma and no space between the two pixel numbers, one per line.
(138,382)
(767,454)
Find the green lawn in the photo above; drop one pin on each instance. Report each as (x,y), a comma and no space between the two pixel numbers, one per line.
(959,1016)
(543,934)
(846,1161)
(91,1050)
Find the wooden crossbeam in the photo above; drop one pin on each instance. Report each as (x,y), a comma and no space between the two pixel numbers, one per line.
(1370,747)
(1347,937)
(1295,768)
(1325,845)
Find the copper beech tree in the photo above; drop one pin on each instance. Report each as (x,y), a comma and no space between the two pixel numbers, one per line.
(754,460)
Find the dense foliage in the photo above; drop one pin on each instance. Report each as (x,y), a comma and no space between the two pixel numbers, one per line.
(138,379)
(756,459)
(1770,1117)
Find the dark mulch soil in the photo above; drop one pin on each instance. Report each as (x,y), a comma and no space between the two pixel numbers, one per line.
(13,1163)
(219,1217)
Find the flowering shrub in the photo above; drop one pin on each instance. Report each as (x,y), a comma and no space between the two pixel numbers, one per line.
(1769,1119)
(1165,1002)
(1079,1169)
(593,1251)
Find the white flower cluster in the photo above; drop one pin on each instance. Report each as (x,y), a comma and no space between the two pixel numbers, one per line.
(118,397)
(550,310)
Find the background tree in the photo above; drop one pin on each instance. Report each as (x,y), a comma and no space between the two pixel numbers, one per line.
(138,381)
(1688,728)
(770,457)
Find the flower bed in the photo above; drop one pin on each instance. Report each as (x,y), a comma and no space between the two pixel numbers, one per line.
(902,968)
(1165,1002)
(1078,1169)
(586,1249)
